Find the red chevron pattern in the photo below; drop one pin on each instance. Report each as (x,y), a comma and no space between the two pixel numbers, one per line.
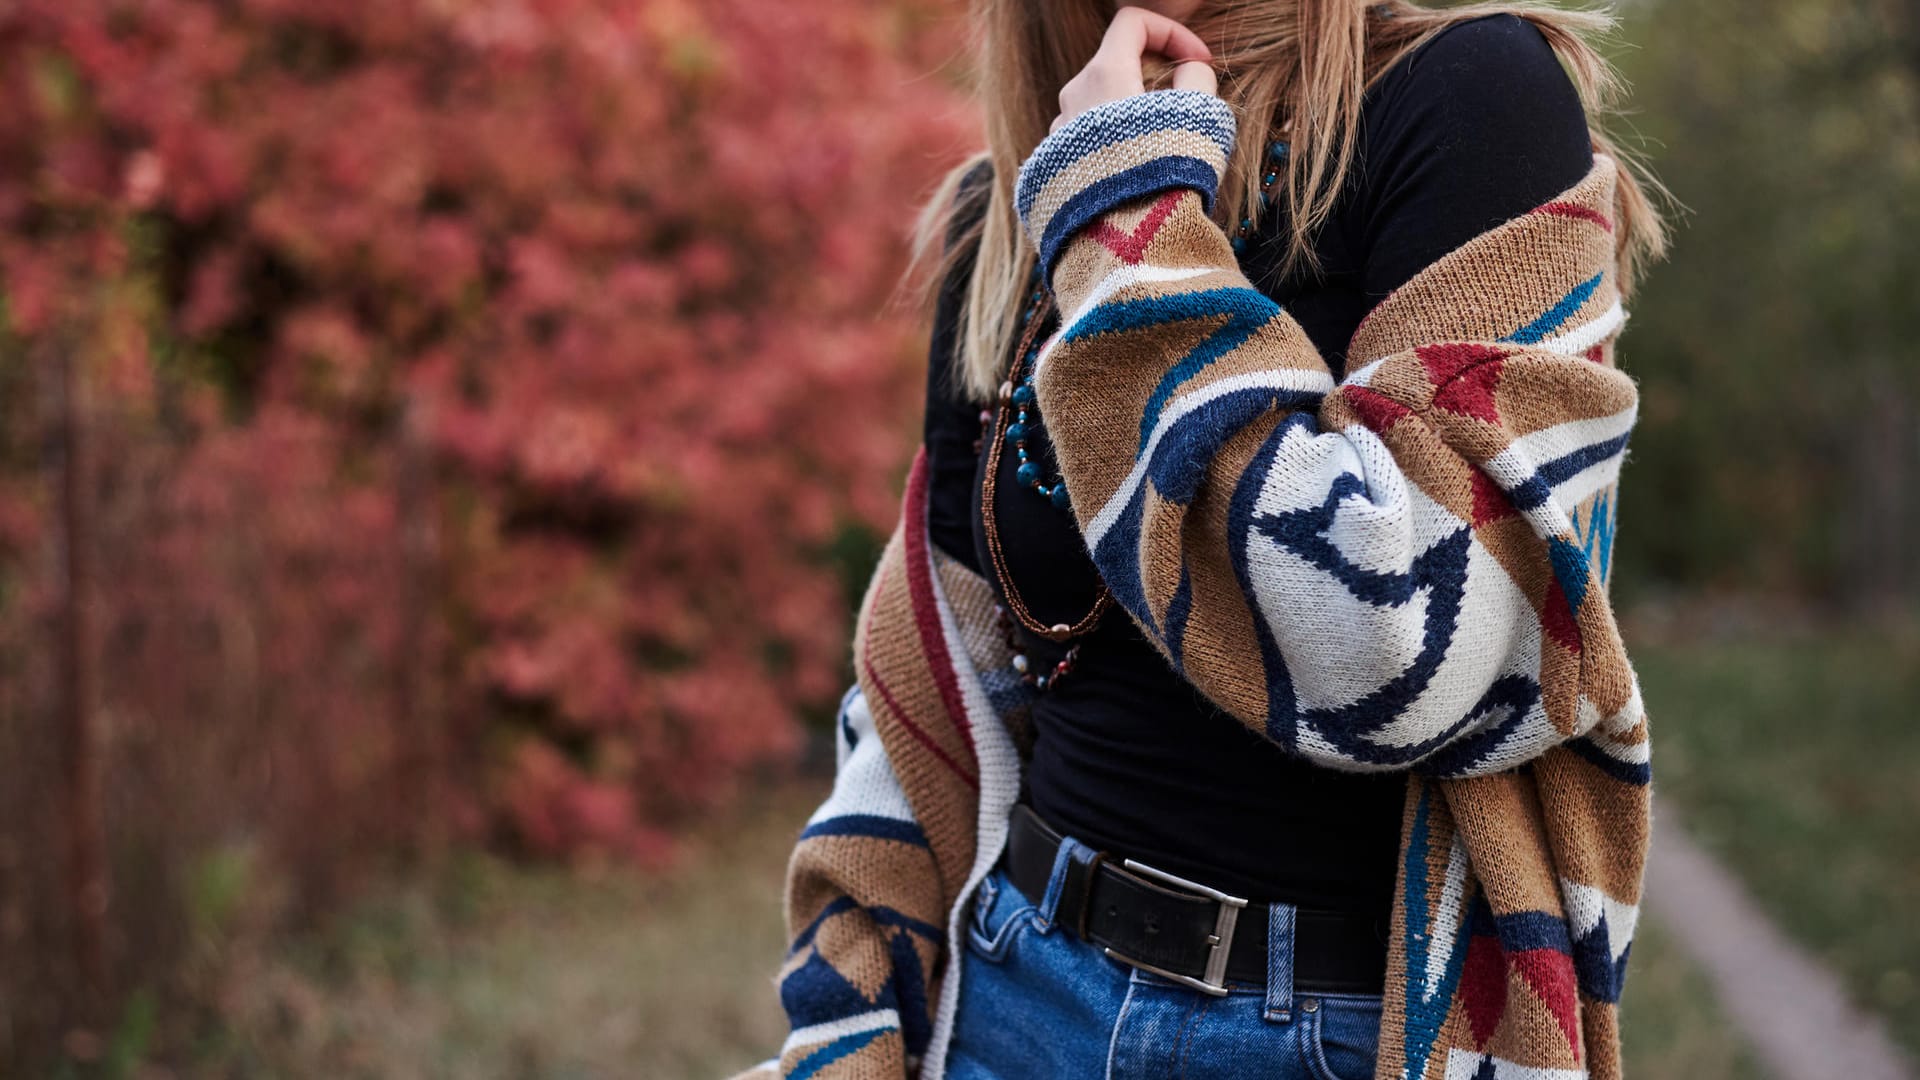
(1130,247)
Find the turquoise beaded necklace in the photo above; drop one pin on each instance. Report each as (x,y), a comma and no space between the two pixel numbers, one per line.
(1276,160)
(1026,408)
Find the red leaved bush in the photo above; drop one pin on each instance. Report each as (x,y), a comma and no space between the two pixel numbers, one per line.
(476,395)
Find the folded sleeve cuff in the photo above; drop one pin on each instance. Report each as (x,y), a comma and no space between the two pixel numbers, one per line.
(1118,151)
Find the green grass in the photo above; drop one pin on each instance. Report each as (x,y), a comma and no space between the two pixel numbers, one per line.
(502,971)
(1671,1027)
(1797,762)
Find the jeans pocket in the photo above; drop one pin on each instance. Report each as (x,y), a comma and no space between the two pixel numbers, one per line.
(1343,1037)
(1000,912)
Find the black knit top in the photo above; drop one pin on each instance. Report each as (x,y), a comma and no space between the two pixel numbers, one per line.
(1479,125)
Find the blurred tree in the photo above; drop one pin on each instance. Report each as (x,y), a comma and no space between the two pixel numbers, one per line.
(480,396)
(1780,443)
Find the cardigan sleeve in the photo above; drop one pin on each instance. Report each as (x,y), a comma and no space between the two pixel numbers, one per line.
(864,912)
(1405,569)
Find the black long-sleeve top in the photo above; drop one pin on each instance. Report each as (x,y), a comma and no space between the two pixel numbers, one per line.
(1477,126)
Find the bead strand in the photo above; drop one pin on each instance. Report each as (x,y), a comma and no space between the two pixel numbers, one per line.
(1022,398)
(1277,152)
(1027,348)
(1023,664)
(1028,473)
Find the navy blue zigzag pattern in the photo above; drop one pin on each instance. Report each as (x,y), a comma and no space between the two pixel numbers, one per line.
(1439,573)
(1175,469)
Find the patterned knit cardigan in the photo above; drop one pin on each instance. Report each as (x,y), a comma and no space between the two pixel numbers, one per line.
(1405,569)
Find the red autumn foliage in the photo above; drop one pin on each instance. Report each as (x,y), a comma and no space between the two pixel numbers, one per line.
(477,392)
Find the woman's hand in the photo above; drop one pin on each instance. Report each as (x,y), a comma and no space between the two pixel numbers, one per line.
(1115,71)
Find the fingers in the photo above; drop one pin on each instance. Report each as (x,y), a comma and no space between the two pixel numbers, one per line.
(1115,70)
(1195,75)
(1135,32)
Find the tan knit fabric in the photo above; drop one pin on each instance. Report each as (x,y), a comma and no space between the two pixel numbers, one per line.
(1402,570)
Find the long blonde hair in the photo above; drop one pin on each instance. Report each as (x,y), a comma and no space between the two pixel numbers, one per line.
(1308,61)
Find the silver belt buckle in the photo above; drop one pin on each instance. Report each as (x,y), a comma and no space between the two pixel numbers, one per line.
(1219,943)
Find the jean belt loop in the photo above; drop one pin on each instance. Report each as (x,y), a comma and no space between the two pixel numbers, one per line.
(1280,923)
(1063,860)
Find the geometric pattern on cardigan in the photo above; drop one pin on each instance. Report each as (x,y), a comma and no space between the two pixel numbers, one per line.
(1396,553)
(917,816)
(866,820)
(1443,515)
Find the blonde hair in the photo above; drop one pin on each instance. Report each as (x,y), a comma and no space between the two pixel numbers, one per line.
(1309,61)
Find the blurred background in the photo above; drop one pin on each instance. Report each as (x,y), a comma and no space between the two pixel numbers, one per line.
(441,443)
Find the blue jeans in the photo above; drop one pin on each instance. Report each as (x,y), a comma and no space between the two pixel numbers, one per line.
(1036,1001)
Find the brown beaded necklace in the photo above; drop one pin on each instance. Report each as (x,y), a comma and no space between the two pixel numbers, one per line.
(1017,606)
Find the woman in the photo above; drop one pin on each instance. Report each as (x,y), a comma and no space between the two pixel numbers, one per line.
(1300,622)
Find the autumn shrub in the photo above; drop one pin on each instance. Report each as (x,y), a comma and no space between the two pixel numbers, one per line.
(471,399)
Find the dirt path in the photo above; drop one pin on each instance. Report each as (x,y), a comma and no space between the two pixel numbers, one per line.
(1789,1006)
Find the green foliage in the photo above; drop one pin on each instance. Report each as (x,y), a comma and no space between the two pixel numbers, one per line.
(1795,760)
(1671,1026)
(503,970)
(1777,447)
(217,888)
(128,1046)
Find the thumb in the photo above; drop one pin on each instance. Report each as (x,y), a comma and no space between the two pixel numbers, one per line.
(1195,75)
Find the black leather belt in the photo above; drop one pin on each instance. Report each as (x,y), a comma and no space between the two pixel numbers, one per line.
(1188,932)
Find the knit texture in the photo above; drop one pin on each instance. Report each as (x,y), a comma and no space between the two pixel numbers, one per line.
(1405,569)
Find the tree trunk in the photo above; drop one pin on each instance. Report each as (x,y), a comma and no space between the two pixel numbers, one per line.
(85,841)
(418,738)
